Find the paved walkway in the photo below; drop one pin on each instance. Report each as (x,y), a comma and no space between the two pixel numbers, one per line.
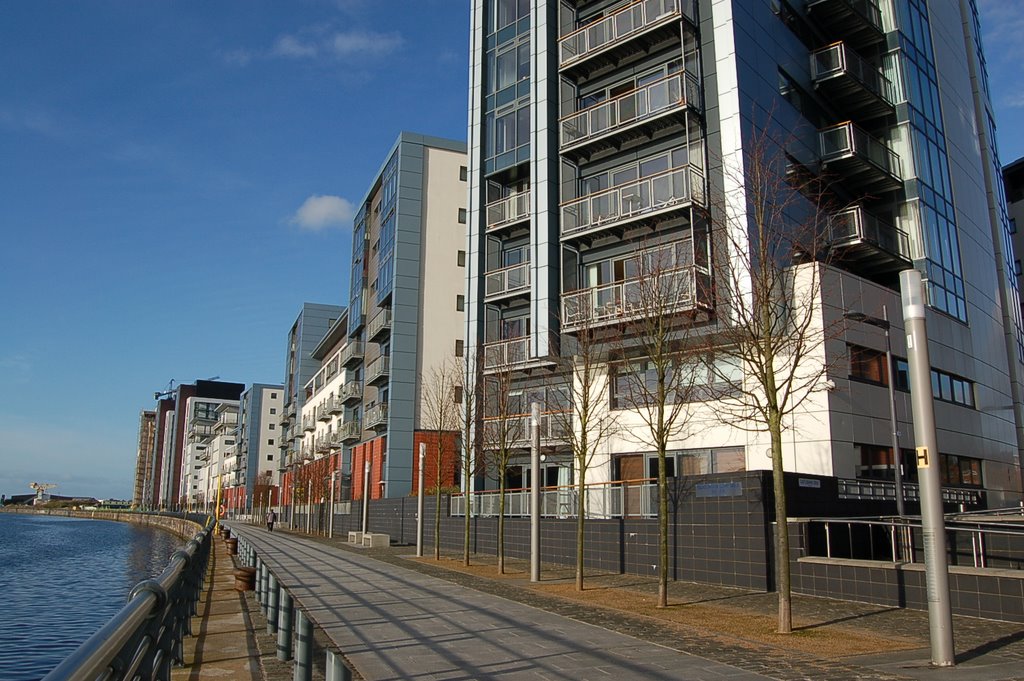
(220,646)
(394,623)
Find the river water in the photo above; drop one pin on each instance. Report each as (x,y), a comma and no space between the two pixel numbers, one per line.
(61,579)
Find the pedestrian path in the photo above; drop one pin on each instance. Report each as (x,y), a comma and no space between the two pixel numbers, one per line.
(393,623)
(219,647)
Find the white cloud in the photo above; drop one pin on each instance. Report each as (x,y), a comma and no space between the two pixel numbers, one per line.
(292,47)
(320,212)
(321,42)
(364,43)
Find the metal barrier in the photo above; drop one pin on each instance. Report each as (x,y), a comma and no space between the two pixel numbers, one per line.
(605,500)
(145,637)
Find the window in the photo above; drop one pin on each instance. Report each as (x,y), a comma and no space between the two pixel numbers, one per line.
(229,442)
(960,470)
(273,410)
(459,348)
(1013,225)
(460,303)
(460,258)
(273,396)
(270,457)
(950,388)
(1016,267)
(876,463)
(868,365)
(462,216)
(462,173)
(270,441)
(457,394)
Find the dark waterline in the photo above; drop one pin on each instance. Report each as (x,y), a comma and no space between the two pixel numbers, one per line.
(61,579)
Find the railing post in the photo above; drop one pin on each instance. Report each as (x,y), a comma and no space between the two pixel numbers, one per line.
(259,580)
(336,669)
(272,601)
(304,647)
(284,626)
(828,541)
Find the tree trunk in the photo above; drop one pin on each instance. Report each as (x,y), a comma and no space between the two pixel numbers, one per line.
(580,520)
(501,525)
(662,531)
(437,519)
(468,502)
(781,527)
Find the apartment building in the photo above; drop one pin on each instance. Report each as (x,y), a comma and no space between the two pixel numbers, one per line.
(405,312)
(252,469)
(312,323)
(210,430)
(1013,189)
(144,457)
(607,133)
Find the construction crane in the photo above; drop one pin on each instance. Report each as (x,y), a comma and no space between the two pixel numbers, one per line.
(40,490)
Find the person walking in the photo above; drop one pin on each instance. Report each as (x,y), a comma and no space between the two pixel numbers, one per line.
(271,519)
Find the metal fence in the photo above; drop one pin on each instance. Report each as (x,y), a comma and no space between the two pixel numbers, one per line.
(637,499)
(145,637)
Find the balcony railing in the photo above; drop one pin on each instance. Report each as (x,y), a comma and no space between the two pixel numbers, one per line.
(378,370)
(672,291)
(377,416)
(351,431)
(855,225)
(509,210)
(308,423)
(514,431)
(335,440)
(351,391)
(323,445)
(856,82)
(650,102)
(507,281)
(670,190)
(352,353)
(616,28)
(379,324)
(871,159)
(631,498)
(858,20)
(322,413)
(335,405)
(505,353)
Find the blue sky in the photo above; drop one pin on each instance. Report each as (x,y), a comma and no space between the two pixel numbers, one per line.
(177,177)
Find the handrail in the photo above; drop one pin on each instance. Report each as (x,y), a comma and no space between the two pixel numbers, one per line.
(845,139)
(507,280)
(837,58)
(143,638)
(639,16)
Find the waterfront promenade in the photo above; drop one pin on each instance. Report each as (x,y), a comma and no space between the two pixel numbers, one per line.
(404,618)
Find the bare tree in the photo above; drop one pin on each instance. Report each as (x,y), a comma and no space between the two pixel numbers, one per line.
(586,421)
(470,438)
(772,246)
(656,371)
(502,433)
(441,389)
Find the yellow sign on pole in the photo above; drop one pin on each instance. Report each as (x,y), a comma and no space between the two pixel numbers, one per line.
(923,460)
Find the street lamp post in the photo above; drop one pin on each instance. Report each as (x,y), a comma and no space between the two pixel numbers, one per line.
(885,325)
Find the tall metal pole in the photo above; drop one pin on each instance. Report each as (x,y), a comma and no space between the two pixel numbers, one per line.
(419,502)
(366,493)
(940,617)
(309,506)
(535,493)
(896,457)
(330,524)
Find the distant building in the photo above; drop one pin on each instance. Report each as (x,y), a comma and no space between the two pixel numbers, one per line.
(144,456)
(253,465)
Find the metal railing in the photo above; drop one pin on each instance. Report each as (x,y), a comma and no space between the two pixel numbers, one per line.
(507,280)
(648,195)
(855,224)
(508,210)
(377,415)
(846,139)
(605,500)
(514,430)
(506,352)
(379,323)
(144,638)
(631,20)
(352,390)
(650,101)
(668,292)
(869,10)
(837,58)
(350,430)
(378,368)
(351,352)
(885,489)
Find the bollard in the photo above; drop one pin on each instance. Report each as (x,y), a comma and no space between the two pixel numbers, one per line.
(266,590)
(284,627)
(335,669)
(303,648)
(259,580)
(272,596)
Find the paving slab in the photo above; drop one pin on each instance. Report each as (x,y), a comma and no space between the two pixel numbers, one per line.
(393,623)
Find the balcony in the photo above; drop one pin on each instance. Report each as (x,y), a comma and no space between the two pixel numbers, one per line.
(308,424)
(335,405)
(200,430)
(686,289)
(351,431)
(351,392)
(858,236)
(851,83)
(514,431)
(509,211)
(377,417)
(649,199)
(507,282)
(862,162)
(635,115)
(322,445)
(633,30)
(290,410)
(379,326)
(505,353)
(378,371)
(322,413)
(858,21)
(352,354)
(285,417)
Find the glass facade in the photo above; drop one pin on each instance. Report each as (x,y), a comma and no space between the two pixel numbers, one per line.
(507,85)
(931,188)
